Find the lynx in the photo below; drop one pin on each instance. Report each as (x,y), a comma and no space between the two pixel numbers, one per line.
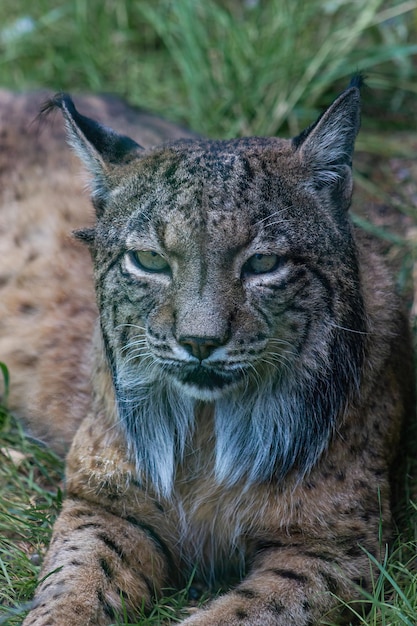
(251,370)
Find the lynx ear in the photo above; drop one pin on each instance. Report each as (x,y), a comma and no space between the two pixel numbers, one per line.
(99,148)
(326,147)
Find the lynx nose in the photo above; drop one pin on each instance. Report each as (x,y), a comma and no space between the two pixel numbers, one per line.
(200,347)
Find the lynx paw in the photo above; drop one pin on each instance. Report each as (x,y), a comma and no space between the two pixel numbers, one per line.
(229,612)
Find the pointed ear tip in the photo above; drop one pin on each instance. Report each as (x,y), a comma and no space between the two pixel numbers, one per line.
(61,101)
(351,96)
(355,86)
(355,95)
(357,80)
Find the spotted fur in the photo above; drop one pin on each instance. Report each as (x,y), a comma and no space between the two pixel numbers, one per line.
(251,373)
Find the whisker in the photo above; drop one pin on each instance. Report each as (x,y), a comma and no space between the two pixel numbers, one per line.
(135,348)
(257,377)
(133,344)
(268,217)
(282,359)
(273,223)
(143,357)
(128,325)
(284,353)
(349,330)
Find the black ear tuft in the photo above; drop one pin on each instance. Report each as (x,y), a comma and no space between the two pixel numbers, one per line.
(358,80)
(100,148)
(56,102)
(113,148)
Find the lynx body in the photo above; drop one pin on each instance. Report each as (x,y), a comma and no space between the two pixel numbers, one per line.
(250,374)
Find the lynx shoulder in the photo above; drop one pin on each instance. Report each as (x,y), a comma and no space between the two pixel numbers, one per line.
(251,370)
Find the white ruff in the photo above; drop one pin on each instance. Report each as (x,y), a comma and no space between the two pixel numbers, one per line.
(260,433)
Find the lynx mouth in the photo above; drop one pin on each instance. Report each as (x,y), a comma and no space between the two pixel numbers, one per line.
(205,379)
(203,382)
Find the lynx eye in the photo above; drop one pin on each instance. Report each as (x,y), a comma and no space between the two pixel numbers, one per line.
(261,264)
(149,260)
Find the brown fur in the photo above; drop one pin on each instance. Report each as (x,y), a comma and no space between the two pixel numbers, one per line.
(293,544)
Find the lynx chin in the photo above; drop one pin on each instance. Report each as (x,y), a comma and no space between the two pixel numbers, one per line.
(250,368)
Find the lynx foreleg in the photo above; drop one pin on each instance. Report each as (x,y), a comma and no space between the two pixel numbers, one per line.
(98,565)
(289,587)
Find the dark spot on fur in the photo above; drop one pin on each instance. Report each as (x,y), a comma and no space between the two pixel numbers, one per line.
(331,582)
(149,585)
(354,551)
(88,525)
(159,506)
(26,360)
(106,569)
(56,595)
(276,607)
(246,593)
(361,582)
(241,614)
(107,608)
(156,540)
(328,558)
(111,544)
(380,471)
(289,574)
(44,614)
(82,512)
(360,484)
(263,546)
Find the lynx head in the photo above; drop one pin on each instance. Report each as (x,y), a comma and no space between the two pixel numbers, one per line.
(226,273)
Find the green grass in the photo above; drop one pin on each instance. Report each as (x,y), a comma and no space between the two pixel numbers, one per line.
(29,500)
(393,599)
(225,68)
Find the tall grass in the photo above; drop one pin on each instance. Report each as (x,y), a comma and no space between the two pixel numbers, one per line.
(225,68)
(258,70)
(29,499)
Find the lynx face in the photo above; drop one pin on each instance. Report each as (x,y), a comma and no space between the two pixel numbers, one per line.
(215,289)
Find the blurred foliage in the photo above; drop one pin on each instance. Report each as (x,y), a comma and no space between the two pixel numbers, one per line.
(225,68)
